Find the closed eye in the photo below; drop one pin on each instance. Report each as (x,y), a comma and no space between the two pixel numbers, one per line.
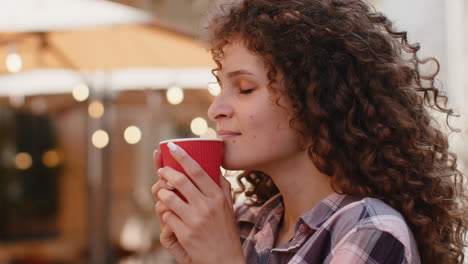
(247,91)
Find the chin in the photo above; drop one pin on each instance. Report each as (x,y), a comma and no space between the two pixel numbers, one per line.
(230,166)
(235,164)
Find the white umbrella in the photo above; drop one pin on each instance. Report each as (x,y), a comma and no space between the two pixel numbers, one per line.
(61,81)
(53,15)
(51,35)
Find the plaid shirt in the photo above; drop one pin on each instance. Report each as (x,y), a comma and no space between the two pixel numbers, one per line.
(339,229)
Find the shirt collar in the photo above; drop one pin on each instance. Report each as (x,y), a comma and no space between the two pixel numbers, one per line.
(258,214)
(314,218)
(318,215)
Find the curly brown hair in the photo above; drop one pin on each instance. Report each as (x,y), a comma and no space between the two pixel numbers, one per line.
(356,84)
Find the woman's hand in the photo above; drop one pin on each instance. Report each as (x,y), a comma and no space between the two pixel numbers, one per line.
(204,226)
(167,237)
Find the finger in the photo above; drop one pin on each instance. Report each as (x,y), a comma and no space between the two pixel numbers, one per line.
(169,241)
(159,212)
(160,208)
(175,204)
(196,173)
(227,190)
(167,237)
(175,223)
(183,184)
(157,160)
(161,183)
(166,234)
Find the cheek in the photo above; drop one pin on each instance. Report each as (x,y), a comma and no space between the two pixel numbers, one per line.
(265,132)
(254,124)
(259,127)
(263,143)
(271,118)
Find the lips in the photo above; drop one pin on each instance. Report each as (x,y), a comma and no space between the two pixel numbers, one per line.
(225,134)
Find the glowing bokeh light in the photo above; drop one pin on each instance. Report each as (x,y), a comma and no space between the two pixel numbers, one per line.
(175,95)
(100,139)
(132,135)
(214,89)
(209,133)
(14,63)
(23,161)
(17,100)
(199,126)
(51,158)
(96,109)
(80,92)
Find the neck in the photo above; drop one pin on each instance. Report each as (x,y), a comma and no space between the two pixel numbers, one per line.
(302,187)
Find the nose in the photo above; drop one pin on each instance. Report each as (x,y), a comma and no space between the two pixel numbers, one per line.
(221,108)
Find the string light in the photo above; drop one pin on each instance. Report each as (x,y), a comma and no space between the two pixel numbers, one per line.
(198,126)
(51,158)
(14,63)
(96,109)
(175,95)
(134,235)
(80,92)
(132,134)
(100,139)
(17,100)
(210,133)
(23,161)
(214,88)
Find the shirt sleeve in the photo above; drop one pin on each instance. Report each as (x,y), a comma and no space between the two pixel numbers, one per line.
(369,245)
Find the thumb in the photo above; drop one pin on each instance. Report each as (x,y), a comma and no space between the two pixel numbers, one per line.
(157,160)
(226,187)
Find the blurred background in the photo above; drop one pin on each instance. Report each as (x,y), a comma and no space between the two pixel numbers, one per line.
(89,87)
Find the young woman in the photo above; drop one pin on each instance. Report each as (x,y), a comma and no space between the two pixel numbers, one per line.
(325,110)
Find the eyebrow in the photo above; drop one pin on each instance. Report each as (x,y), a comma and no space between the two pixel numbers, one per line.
(237,73)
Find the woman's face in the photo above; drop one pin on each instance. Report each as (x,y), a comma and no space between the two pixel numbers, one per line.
(255,130)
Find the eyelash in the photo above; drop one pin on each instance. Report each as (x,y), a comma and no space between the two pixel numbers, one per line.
(247,91)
